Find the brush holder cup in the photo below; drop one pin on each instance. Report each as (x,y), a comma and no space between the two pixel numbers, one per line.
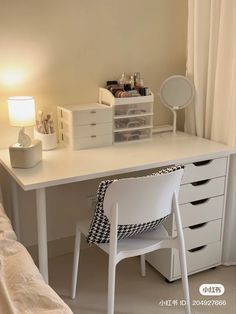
(49,141)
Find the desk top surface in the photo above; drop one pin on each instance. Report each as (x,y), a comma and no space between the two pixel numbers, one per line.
(61,166)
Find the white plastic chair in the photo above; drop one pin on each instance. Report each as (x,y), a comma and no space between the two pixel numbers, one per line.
(135,201)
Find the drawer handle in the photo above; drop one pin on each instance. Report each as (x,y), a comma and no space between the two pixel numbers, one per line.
(93,136)
(93,111)
(197,249)
(202,163)
(194,203)
(93,124)
(197,226)
(202,182)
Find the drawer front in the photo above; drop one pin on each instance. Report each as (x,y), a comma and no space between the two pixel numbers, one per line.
(202,189)
(201,234)
(92,129)
(202,211)
(85,117)
(199,258)
(93,141)
(204,170)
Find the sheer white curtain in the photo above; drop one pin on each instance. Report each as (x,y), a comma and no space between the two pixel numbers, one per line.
(211,64)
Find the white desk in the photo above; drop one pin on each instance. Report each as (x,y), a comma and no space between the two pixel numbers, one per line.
(62,166)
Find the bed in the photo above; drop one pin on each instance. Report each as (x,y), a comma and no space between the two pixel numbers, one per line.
(22,288)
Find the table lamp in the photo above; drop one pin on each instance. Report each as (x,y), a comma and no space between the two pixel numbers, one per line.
(26,153)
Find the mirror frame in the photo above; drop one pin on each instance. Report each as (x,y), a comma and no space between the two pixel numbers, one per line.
(171,78)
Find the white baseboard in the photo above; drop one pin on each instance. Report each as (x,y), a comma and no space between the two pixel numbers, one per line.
(57,247)
(162,128)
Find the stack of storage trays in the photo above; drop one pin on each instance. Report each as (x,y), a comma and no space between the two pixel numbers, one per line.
(132,116)
(85,125)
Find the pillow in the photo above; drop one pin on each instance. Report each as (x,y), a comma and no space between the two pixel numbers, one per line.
(99,231)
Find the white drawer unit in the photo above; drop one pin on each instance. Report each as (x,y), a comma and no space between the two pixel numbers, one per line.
(197,212)
(85,126)
(202,203)
(198,258)
(132,116)
(201,189)
(202,234)
(200,170)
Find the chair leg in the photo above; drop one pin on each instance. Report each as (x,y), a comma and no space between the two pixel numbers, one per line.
(143,265)
(183,266)
(111,286)
(75,262)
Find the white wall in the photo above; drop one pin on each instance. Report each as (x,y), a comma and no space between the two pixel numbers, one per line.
(61,51)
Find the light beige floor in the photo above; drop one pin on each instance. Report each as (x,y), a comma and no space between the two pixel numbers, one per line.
(135,294)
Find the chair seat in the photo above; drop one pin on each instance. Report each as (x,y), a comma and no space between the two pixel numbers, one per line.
(143,241)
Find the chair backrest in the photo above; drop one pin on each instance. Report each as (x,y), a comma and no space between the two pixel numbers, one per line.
(142,199)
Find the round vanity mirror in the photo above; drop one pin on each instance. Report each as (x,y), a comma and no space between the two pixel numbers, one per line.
(176,92)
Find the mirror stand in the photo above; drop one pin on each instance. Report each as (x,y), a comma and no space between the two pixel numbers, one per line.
(174,110)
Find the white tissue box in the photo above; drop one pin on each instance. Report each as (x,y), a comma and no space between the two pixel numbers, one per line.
(25,157)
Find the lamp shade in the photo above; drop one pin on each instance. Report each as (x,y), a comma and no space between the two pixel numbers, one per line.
(21,111)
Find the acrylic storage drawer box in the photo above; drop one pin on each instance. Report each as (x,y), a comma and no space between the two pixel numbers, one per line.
(132,116)
(85,126)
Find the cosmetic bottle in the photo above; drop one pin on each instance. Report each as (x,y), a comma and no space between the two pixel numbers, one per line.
(137,77)
(131,81)
(123,80)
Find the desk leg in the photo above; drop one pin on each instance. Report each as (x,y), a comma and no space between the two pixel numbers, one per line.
(42,232)
(15,208)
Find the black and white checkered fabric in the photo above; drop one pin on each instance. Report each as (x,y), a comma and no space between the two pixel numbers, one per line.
(99,231)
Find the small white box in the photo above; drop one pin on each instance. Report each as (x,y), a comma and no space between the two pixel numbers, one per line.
(85,126)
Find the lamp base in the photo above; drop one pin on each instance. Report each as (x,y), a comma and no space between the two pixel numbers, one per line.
(25,157)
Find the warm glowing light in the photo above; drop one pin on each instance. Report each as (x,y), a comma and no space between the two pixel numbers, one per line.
(12,77)
(21,111)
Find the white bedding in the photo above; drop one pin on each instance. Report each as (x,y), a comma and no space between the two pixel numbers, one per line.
(6,231)
(22,288)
